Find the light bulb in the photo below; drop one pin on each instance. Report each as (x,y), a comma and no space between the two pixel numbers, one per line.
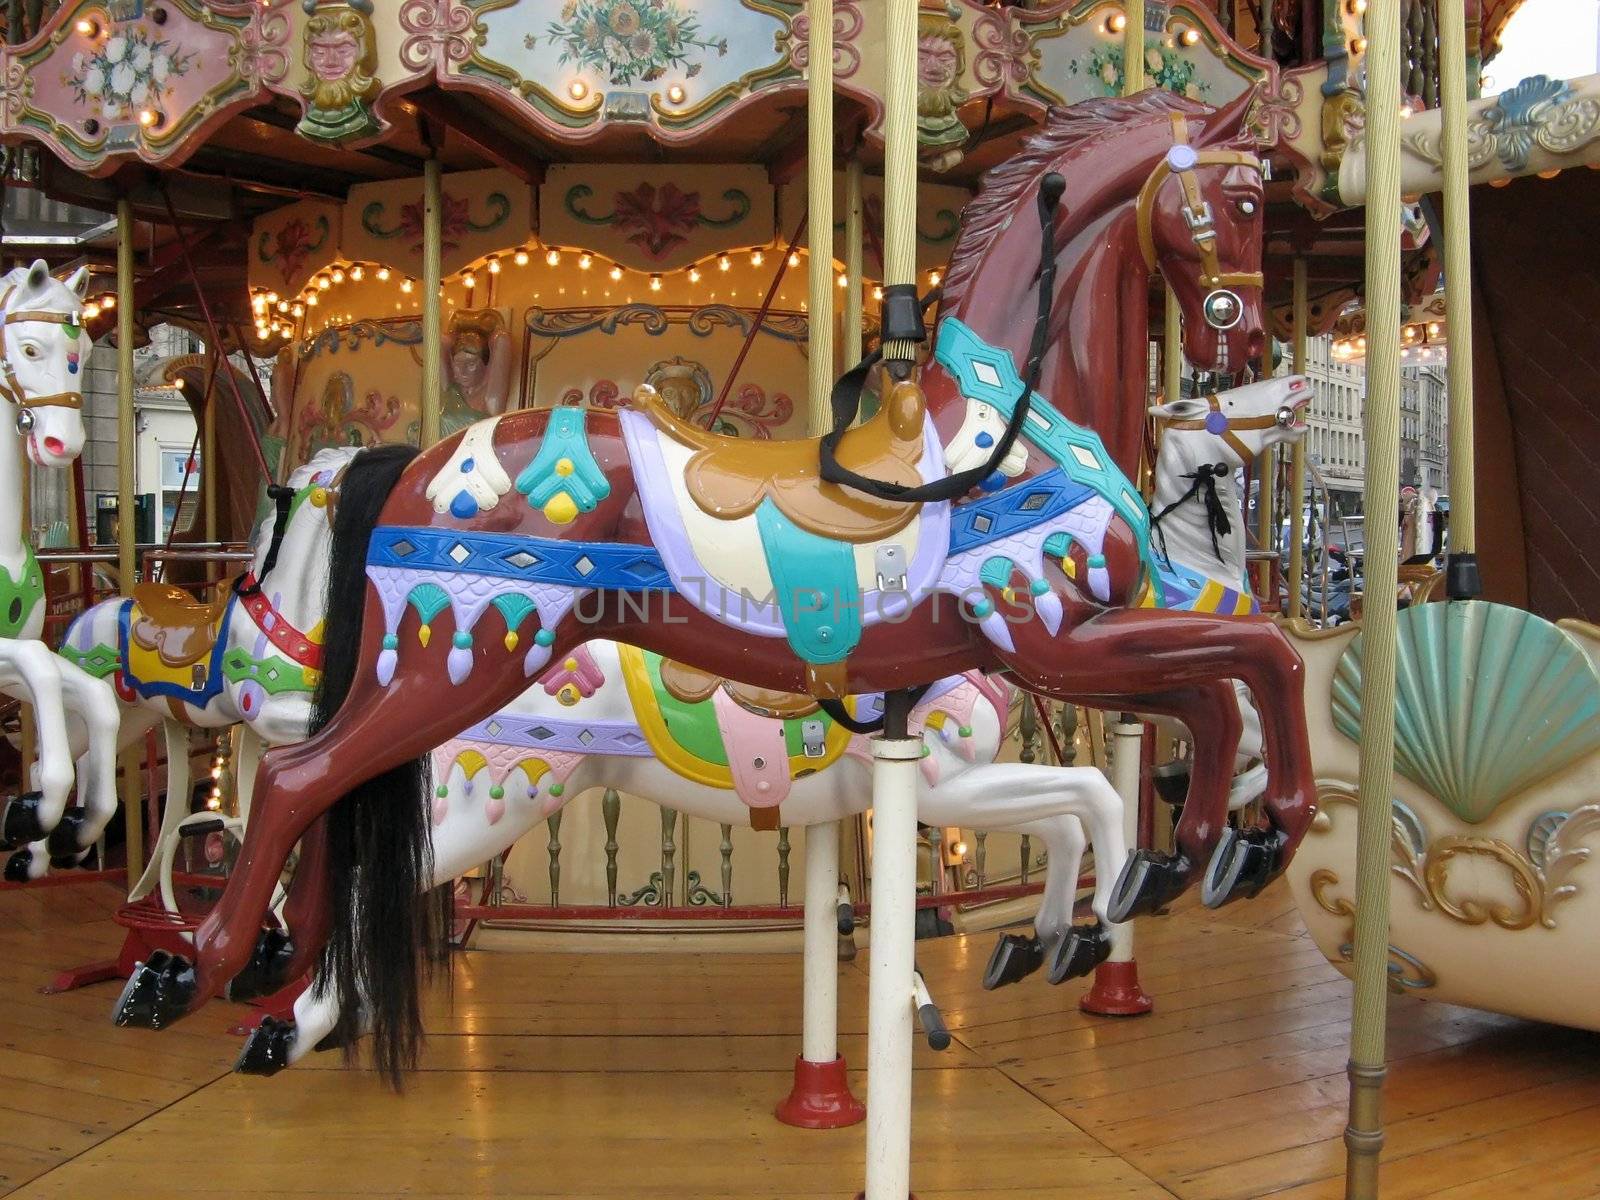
(383,274)
(520,258)
(723,262)
(844,280)
(655,283)
(756,258)
(1117,22)
(406,285)
(322,283)
(675,94)
(585,261)
(356,273)
(616,272)
(469,281)
(338,275)
(794,259)
(494,266)
(552,258)
(694,274)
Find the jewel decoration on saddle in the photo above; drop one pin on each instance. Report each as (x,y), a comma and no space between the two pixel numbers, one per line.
(20,596)
(429,570)
(564,479)
(576,678)
(473,481)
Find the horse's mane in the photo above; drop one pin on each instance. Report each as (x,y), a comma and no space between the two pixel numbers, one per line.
(1064,128)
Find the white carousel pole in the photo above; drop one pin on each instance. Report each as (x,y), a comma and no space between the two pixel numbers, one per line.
(1117,991)
(820,1097)
(891,989)
(1363,1135)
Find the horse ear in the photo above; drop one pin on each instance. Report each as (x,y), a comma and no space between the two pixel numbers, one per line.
(78,282)
(38,276)
(1228,122)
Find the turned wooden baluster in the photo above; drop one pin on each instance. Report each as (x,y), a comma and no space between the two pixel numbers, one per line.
(611,811)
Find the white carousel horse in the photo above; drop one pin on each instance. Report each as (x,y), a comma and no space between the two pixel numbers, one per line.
(251,658)
(45,348)
(612,716)
(1197,529)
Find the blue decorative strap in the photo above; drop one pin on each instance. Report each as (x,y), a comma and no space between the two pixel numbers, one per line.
(612,565)
(815,581)
(987,374)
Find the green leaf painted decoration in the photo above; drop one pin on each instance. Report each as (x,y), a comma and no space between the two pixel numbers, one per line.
(1488,700)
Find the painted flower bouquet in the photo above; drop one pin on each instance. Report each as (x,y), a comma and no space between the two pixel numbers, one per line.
(128,72)
(629,40)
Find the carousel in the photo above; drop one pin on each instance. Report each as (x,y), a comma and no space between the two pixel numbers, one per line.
(627,432)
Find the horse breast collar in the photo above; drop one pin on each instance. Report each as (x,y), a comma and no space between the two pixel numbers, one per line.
(1222,307)
(11,390)
(299,646)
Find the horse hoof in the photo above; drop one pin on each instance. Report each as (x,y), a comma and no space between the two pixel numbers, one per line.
(21,825)
(266,1050)
(19,867)
(264,973)
(1015,957)
(68,862)
(64,840)
(1243,864)
(1083,949)
(1171,782)
(157,993)
(1148,883)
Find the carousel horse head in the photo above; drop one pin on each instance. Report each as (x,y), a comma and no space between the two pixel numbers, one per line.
(1237,426)
(310,495)
(45,347)
(1199,218)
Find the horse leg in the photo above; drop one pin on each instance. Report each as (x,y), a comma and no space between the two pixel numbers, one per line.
(29,671)
(1046,801)
(1152,650)
(1149,879)
(461,841)
(284,954)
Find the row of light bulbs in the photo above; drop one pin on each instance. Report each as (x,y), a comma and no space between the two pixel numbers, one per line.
(1415,342)
(275,314)
(1117,22)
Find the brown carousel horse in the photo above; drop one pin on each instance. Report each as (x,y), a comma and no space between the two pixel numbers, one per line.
(739,559)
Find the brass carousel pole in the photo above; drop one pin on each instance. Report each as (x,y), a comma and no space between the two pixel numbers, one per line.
(819,203)
(854,318)
(1133,47)
(1364,1134)
(127,524)
(1297,452)
(1462,581)
(432,334)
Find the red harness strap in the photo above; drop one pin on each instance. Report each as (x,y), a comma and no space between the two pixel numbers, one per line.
(279,632)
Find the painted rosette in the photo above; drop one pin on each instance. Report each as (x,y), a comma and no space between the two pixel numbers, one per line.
(1488,700)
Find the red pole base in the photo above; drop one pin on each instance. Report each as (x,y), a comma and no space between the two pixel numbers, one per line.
(1116,992)
(821,1097)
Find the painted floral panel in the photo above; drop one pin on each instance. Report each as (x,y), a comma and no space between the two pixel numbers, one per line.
(130,71)
(631,41)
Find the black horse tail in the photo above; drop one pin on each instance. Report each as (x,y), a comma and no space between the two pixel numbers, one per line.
(386,934)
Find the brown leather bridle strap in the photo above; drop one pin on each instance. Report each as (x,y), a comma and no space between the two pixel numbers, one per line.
(1197,213)
(1214,402)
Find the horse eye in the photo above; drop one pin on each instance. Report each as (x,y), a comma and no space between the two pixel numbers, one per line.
(25,421)
(1247,207)
(30,352)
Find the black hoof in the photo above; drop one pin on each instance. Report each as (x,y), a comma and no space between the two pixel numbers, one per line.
(1015,957)
(1243,864)
(20,825)
(265,972)
(1083,949)
(64,840)
(68,862)
(266,1050)
(847,919)
(1171,782)
(18,866)
(158,992)
(1148,883)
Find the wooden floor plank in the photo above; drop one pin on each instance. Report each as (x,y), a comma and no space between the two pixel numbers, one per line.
(598,1075)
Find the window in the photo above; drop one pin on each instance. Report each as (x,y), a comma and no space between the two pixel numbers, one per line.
(174,465)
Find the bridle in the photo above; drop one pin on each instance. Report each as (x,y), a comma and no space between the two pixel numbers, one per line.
(1222,307)
(11,389)
(1220,424)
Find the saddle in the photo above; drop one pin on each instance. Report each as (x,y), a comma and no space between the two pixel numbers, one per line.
(171,622)
(730,477)
(694,686)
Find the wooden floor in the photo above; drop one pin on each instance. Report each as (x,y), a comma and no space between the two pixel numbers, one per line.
(626,1075)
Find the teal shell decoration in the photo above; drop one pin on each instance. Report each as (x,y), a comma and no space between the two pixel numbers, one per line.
(1488,700)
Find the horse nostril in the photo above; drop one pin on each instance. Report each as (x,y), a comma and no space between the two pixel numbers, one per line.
(55,445)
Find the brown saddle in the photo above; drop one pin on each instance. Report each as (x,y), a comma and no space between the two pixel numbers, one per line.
(729,477)
(694,686)
(168,620)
